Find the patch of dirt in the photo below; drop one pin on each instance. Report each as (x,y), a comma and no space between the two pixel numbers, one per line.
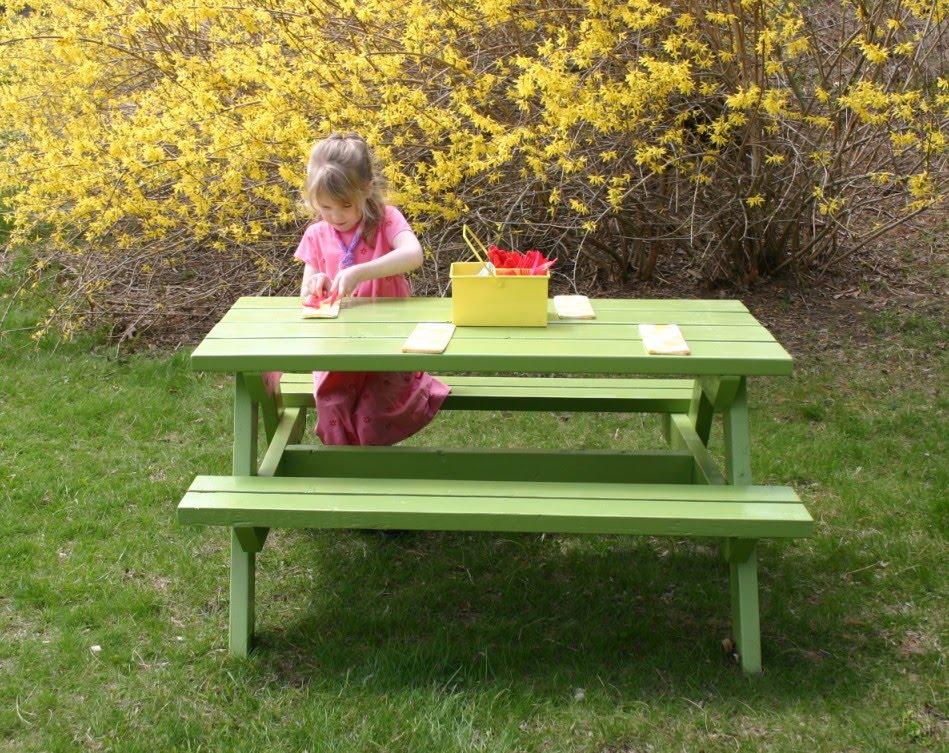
(902,276)
(854,305)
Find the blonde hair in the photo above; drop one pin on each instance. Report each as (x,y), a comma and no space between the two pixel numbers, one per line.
(341,168)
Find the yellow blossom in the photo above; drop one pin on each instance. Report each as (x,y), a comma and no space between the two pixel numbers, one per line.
(165,130)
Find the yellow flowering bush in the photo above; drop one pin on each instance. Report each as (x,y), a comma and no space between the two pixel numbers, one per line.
(157,147)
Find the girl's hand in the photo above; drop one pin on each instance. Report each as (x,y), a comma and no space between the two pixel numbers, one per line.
(317,284)
(347,280)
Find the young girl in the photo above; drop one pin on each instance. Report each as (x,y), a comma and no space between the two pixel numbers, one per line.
(361,247)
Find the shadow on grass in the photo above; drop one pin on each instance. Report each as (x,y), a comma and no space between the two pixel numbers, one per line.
(642,616)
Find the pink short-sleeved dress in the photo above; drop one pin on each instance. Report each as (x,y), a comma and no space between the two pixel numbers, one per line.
(368,408)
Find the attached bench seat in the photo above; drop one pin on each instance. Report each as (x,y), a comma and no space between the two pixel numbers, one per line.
(738,515)
(594,394)
(514,506)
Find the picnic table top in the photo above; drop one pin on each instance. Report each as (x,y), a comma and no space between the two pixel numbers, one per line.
(268,334)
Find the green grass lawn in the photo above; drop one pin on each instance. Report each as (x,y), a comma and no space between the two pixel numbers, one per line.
(113,617)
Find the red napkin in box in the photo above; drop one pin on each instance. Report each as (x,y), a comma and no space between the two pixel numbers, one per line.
(516,263)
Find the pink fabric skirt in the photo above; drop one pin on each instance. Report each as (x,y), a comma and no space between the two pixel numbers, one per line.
(371,408)
(374,408)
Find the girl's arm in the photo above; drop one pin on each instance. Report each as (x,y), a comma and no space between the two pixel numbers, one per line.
(406,255)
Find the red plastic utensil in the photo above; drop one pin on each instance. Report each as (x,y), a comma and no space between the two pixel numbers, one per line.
(532,262)
(541,269)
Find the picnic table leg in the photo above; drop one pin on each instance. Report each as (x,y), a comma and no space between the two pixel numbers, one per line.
(746,629)
(740,553)
(244,458)
(249,394)
(268,401)
(244,547)
(245,543)
(711,395)
(737,436)
(243,585)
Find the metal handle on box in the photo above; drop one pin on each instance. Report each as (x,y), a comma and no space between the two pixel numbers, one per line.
(469,236)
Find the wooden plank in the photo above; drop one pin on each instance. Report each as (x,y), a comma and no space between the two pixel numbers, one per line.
(538,394)
(586,386)
(496,505)
(403,510)
(369,338)
(571,356)
(743,583)
(504,490)
(243,586)
(737,438)
(287,311)
(334,328)
(556,400)
(289,429)
(500,464)
(244,451)
(604,305)
(355,318)
(627,341)
(683,434)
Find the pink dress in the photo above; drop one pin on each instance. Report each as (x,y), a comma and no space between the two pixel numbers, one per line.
(368,408)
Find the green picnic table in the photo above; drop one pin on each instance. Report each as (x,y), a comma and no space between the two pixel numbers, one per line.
(596,364)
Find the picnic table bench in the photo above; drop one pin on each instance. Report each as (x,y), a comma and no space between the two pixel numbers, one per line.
(677,491)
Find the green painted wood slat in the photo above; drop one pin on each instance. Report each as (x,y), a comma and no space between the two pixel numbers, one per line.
(402,315)
(526,356)
(601,305)
(499,489)
(635,509)
(297,328)
(495,464)
(538,394)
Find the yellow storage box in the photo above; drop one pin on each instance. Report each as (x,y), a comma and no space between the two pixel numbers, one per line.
(485,300)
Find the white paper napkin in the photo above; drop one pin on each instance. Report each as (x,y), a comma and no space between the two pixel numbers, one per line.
(323,311)
(573,307)
(663,339)
(429,337)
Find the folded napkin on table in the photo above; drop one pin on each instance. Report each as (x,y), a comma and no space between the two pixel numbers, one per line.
(315,307)
(573,307)
(429,337)
(663,339)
